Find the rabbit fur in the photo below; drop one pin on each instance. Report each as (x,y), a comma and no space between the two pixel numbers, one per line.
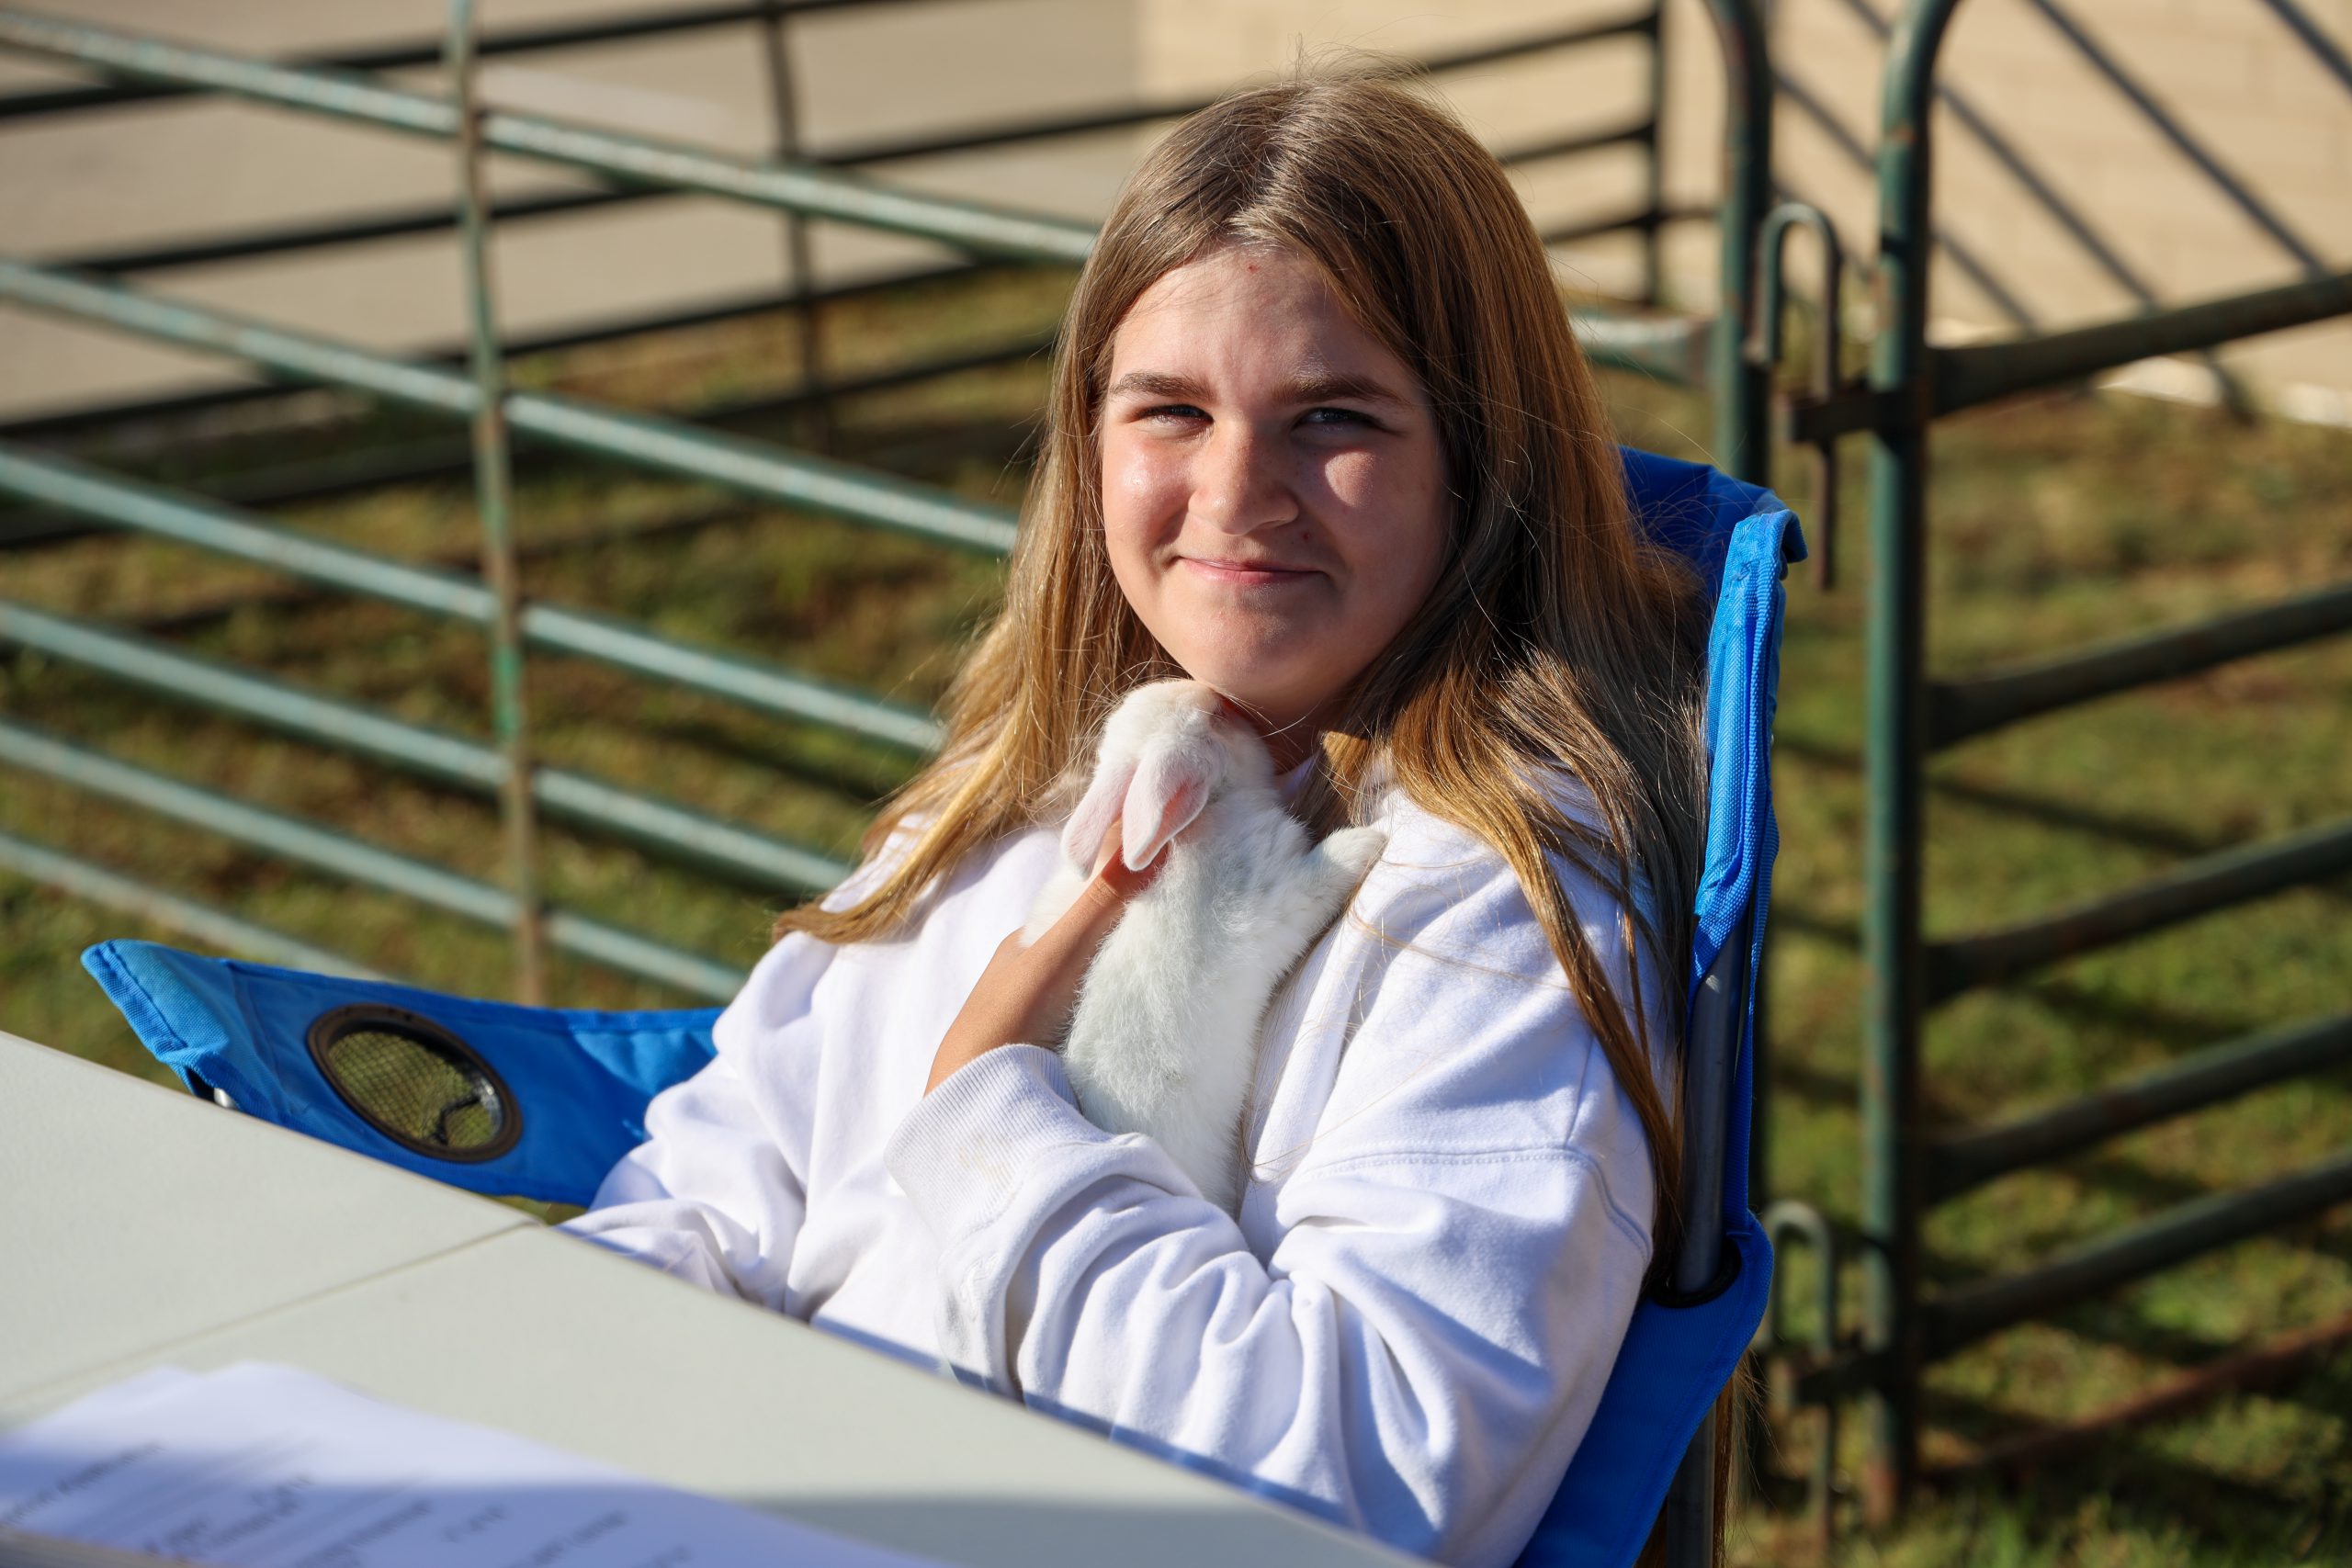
(1164,1037)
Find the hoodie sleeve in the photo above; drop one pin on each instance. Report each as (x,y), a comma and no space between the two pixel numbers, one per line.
(717,1191)
(1455,1253)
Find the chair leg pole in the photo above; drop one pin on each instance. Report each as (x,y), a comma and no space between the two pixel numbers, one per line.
(1690,1518)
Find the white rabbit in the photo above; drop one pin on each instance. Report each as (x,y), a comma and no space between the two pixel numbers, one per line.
(1164,1037)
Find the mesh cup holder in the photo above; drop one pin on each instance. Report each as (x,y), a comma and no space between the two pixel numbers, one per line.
(416,1082)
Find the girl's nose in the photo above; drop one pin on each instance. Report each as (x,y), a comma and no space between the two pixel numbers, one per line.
(1237,481)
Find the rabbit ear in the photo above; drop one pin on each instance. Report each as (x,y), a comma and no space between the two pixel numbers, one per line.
(1172,788)
(1097,810)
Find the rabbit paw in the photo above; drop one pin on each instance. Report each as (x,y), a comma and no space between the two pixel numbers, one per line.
(1353,852)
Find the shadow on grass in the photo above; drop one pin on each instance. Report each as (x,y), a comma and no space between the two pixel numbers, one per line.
(1799,1080)
(2325,1388)
(2139,1491)
(867,779)
(2171,1027)
(2168,1026)
(1796,920)
(2157,1192)
(2139,832)
(2133,831)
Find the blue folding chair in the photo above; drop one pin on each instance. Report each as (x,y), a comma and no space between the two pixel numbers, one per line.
(540,1102)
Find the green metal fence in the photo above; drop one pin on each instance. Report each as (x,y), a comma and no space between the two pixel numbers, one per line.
(91,288)
(1911,714)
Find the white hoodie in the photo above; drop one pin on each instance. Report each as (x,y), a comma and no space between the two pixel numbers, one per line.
(1439,1247)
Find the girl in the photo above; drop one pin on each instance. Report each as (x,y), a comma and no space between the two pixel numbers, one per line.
(1320,437)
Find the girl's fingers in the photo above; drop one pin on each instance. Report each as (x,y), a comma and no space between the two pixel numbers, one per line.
(1126,884)
(1107,852)
(1027,990)
(1098,906)
(1110,871)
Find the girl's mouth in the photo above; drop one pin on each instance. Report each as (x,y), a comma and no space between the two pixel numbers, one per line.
(1246,573)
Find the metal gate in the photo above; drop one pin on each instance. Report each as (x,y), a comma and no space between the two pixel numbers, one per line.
(1909,1168)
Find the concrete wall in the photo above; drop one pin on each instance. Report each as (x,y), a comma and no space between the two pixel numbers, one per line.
(2094,209)
(1193,46)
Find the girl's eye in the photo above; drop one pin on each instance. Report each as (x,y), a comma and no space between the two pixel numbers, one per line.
(1174,411)
(1337,417)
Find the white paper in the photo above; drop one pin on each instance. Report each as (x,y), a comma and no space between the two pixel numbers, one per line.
(262,1466)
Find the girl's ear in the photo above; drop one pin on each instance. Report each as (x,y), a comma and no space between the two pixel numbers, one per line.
(1097,810)
(1172,788)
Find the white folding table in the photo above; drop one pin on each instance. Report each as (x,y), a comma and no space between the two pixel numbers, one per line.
(142,1228)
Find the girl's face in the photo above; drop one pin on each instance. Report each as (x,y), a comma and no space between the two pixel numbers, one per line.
(1273,488)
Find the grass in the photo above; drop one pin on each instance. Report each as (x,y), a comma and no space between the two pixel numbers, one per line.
(2055,521)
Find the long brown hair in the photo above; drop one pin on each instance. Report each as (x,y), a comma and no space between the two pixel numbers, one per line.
(1555,639)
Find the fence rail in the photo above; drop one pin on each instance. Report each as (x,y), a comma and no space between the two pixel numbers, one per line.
(208,525)
(1958,1162)
(2215,882)
(1961,710)
(772,473)
(794,187)
(429,52)
(1970,1313)
(706,844)
(322,848)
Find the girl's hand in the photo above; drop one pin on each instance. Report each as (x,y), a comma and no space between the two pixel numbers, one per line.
(1026,994)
